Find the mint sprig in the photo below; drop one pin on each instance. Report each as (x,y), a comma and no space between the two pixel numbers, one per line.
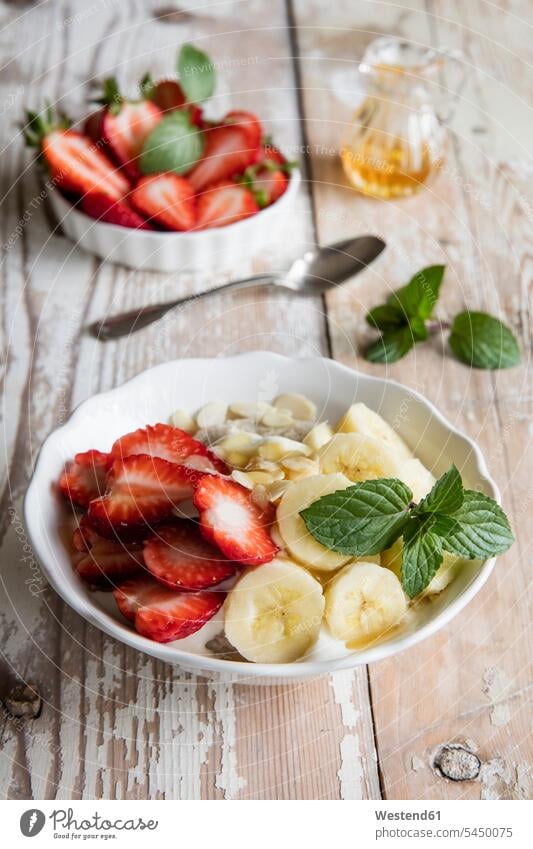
(196,74)
(476,338)
(173,145)
(369,517)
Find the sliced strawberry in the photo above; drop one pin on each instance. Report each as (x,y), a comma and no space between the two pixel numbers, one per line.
(269,185)
(170,443)
(268,153)
(141,490)
(162,614)
(248,122)
(84,478)
(227,152)
(126,129)
(103,208)
(166,199)
(179,556)
(232,521)
(224,204)
(99,561)
(76,165)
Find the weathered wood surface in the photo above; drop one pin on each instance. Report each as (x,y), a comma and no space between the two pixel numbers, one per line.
(116,724)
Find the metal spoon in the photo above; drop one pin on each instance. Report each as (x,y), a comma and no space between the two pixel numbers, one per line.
(314,273)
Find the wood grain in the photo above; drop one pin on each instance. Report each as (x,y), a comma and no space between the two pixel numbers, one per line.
(116,724)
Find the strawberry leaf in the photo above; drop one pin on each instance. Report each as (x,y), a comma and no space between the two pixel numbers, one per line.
(197,74)
(173,145)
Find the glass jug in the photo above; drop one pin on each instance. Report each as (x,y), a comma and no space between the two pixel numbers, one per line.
(397,139)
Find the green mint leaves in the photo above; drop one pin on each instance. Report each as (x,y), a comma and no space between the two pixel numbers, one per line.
(173,145)
(369,517)
(482,341)
(477,339)
(196,74)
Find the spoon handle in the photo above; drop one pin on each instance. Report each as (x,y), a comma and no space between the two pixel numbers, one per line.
(129,322)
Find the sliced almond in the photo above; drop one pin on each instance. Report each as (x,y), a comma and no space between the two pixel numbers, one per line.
(300,406)
(247,410)
(297,466)
(277,418)
(182,419)
(277,490)
(276,447)
(212,414)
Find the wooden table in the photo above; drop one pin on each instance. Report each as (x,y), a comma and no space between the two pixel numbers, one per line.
(116,724)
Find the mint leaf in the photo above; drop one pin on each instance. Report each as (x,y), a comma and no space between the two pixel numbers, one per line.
(386,317)
(392,346)
(196,73)
(481,528)
(364,519)
(482,341)
(446,495)
(418,298)
(173,145)
(421,558)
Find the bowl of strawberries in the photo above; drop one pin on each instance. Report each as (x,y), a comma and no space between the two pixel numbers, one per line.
(152,183)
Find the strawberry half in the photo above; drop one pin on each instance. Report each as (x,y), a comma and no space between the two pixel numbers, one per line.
(141,490)
(125,125)
(178,556)
(162,614)
(99,561)
(118,212)
(232,521)
(84,478)
(268,153)
(166,199)
(269,185)
(224,204)
(248,122)
(227,152)
(77,166)
(169,443)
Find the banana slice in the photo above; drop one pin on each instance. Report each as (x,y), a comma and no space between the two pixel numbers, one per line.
(292,527)
(274,613)
(318,436)
(417,477)
(451,565)
(300,406)
(361,419)
(363,603)
(359,457)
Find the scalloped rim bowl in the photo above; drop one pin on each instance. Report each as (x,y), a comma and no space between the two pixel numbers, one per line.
(153,395)
(167,251)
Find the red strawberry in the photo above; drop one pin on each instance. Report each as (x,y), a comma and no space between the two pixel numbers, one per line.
(170,443)
(227,152)
(248,122)
(178,556)
(224,204)
(269,185)
(92,125)
(268,153)
(100,561)
(125,126)
(232,521)
(84,478)
(166,199)
(103,208)
(162,614)
(168,95)
(140,490)
(77,166)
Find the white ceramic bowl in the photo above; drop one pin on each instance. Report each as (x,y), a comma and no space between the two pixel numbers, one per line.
(153,395)
(166,251)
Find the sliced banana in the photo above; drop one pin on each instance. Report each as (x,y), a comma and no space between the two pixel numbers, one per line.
(363,603)
(300,406)
(451,565)
(292,527)
(361,419)
(212,414)
(318,436)
(359,457)
(417,477)
(274,613)
(182,419)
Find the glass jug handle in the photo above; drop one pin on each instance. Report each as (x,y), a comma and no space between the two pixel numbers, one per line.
(455,59)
